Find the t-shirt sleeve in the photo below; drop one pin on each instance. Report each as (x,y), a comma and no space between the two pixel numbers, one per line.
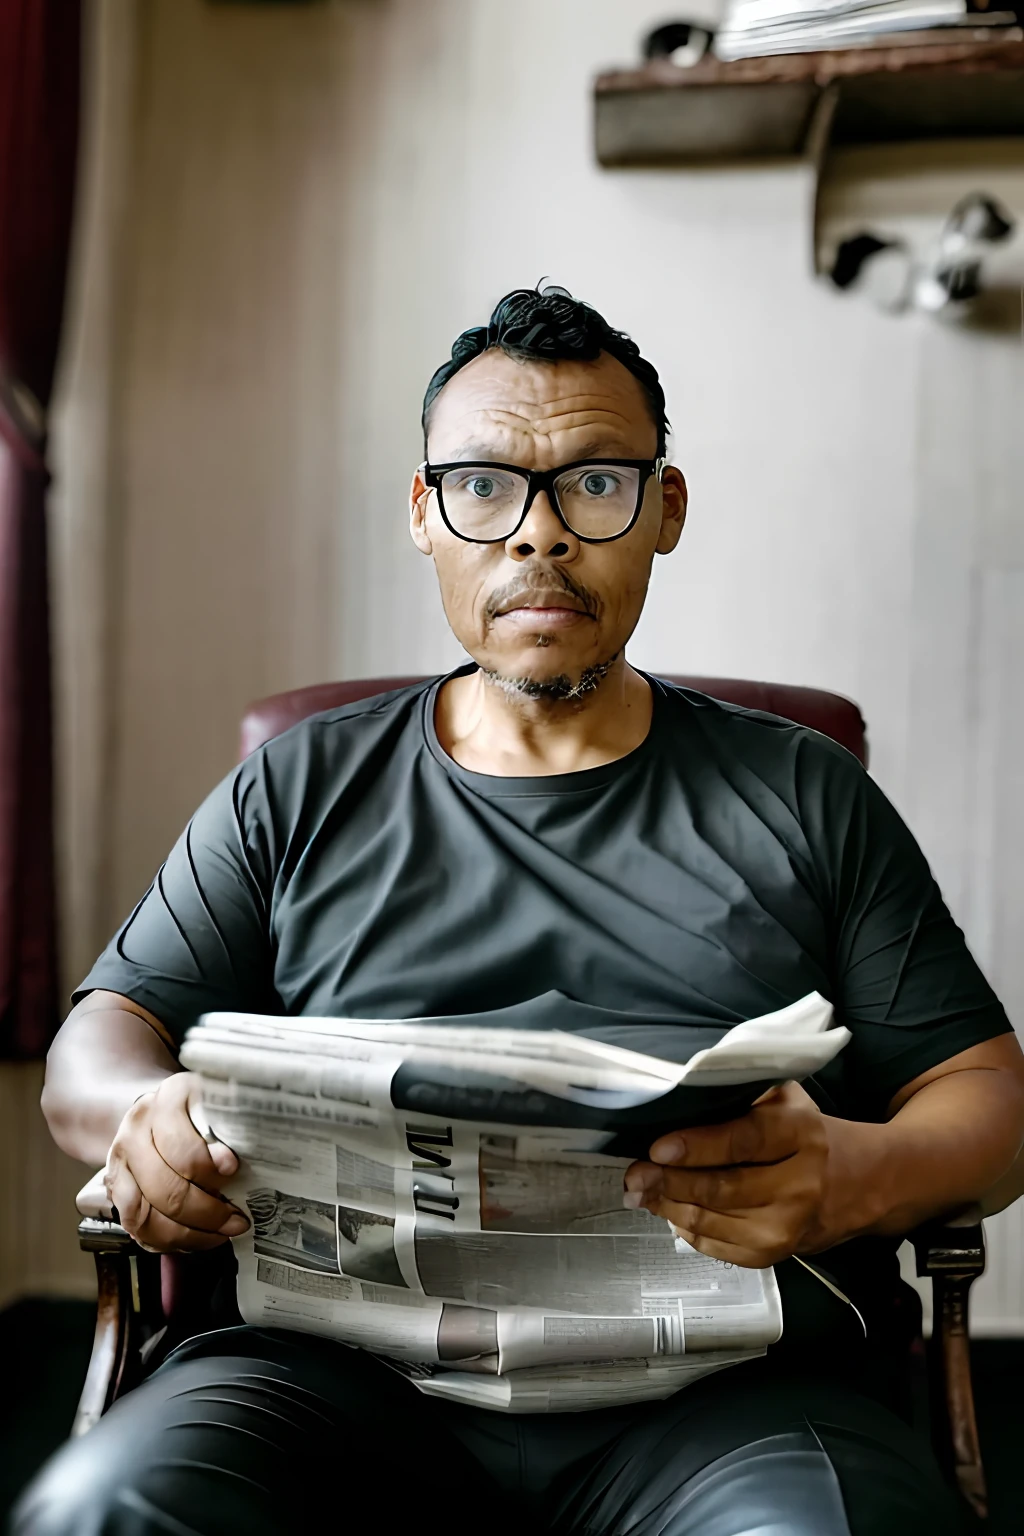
(906,984)
(199,938)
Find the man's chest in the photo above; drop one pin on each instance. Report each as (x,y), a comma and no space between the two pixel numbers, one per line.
(471,905)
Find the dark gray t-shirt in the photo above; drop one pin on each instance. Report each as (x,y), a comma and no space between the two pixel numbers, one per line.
(729,865)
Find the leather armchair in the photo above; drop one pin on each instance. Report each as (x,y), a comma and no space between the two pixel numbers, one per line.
(147,1301)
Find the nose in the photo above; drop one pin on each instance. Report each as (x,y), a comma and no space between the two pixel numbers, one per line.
(542,532)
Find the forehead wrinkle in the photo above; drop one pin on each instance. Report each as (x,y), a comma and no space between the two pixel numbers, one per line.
(532,413)
(570,419)
(513,411)
(602,426)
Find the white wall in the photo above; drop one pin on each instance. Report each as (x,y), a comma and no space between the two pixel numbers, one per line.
(320,199)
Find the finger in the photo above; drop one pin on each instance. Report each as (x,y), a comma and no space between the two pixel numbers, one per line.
(162,1235)
(729,1253)
(769,1133)
(777,1091)
(717,1189)
(739,1239)
(174,1196)
(130,1208)
(747,1238)
(148,1227)
(690,1221)
(180,1144)
(223,1158)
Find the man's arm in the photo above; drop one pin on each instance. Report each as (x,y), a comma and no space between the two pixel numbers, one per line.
(197,941)
(108,1052)
(954,1134)
(114,1095)
(787,1179)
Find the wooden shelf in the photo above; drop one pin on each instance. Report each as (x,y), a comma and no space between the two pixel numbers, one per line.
(793,104)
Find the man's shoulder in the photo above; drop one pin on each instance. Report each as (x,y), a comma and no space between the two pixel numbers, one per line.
(359,717)
(328,748)
(762,740)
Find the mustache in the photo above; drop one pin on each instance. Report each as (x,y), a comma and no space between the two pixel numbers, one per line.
(537,583)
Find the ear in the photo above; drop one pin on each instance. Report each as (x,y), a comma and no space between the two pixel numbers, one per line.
(673,510)
(419,495)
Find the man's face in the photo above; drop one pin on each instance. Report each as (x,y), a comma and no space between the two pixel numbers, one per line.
(543,607)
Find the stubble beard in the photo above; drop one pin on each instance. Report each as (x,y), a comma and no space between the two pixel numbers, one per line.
(561,689)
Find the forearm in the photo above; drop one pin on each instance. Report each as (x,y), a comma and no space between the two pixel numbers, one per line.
(951,1145)
(104,1057)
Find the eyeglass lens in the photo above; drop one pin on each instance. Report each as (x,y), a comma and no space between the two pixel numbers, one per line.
(597,501)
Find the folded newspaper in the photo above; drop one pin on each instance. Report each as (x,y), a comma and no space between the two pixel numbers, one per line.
(488,1256)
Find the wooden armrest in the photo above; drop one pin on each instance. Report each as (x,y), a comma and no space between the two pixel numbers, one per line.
(112,1366)
(951,1254)
(956,1246)
(98,1236)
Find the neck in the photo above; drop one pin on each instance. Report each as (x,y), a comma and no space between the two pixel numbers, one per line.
(489,729)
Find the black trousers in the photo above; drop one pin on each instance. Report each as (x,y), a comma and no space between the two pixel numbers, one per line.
(256,1431)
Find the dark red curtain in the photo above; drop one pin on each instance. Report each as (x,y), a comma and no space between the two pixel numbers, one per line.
(39,87)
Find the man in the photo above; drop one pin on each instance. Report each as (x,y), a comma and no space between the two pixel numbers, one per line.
(548,819)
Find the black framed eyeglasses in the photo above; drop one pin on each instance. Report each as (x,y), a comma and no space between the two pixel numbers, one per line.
(596,499)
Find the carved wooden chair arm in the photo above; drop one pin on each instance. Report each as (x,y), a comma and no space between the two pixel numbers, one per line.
(127,1313)
(115,1346)
(952,1255)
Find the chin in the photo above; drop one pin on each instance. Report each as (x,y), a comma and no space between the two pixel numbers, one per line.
(561,680)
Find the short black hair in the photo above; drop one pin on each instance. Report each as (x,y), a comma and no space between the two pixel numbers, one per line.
(549,325)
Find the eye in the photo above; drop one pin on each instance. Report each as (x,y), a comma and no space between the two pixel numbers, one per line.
(599,483)
(480,485)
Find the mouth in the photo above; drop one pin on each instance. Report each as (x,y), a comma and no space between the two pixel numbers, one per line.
(543,613)
(543,609)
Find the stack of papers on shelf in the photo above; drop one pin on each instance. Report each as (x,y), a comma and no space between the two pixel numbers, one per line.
(756,27)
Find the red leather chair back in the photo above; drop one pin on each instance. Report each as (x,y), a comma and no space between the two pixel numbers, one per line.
(828,713)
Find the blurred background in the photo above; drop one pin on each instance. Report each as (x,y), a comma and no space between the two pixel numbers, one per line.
(284,213)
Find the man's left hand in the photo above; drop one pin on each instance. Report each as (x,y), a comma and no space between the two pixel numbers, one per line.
(751,1191)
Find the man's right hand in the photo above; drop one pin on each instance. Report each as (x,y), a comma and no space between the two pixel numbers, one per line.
(162,1176)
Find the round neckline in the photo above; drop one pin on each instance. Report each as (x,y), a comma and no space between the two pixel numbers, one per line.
(541,785)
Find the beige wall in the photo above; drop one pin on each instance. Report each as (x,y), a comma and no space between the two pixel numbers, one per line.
(316,201)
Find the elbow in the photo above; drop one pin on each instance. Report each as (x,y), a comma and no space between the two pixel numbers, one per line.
(55,1110)
(59,1112)
(1008,1186)
(1015,1117)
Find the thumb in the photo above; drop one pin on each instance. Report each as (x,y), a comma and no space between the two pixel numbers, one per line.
(221,1155)
(773,1093)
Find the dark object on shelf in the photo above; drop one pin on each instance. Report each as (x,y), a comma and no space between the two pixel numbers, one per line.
(882,270)
(680,43)
(947,273)
(955,276)
(798,103)
(852,255)
(978,217)
(961,282)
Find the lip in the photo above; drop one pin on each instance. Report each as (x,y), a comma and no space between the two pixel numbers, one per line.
(535,617)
